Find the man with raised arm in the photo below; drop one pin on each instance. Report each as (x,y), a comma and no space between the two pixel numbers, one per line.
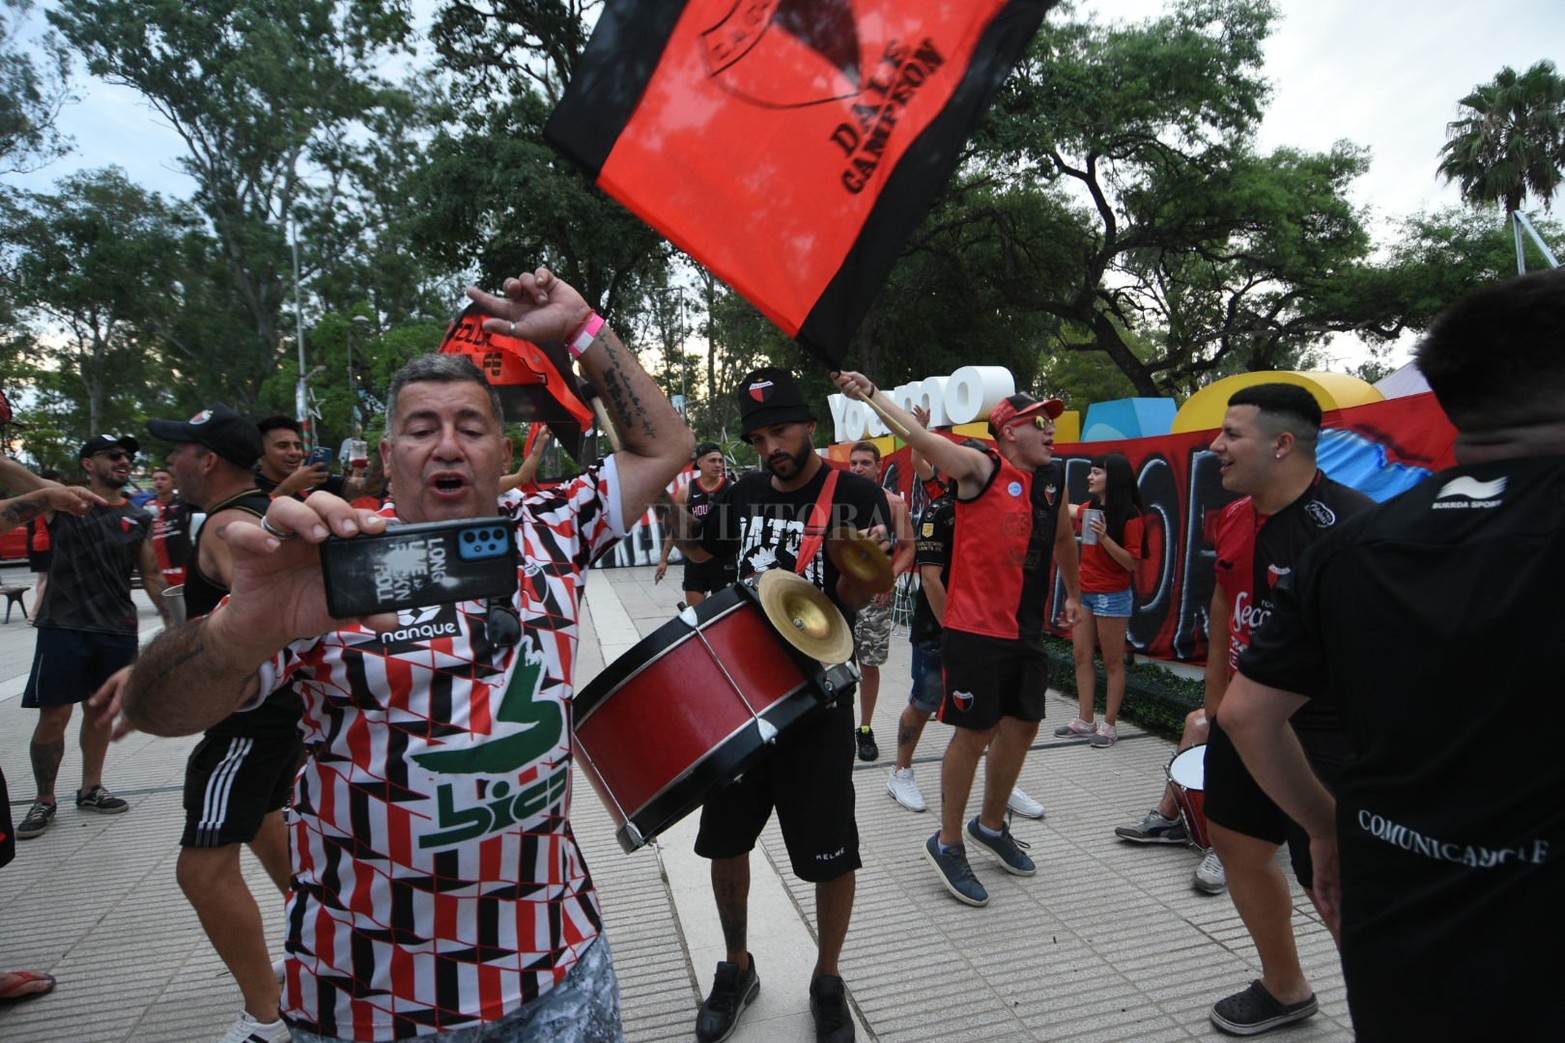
(437,886)
(1011,523)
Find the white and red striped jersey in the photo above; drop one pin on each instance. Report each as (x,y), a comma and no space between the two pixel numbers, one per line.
(437,883)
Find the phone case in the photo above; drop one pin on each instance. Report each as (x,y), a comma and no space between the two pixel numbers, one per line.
(319,455)
(432,563)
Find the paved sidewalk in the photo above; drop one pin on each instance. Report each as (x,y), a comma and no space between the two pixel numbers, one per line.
(1107,943)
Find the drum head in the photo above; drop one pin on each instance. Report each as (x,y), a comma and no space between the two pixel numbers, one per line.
(1188,769)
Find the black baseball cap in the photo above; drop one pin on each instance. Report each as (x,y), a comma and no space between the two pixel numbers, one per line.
(769,396)
(707,447)
(220,429)
(99,443)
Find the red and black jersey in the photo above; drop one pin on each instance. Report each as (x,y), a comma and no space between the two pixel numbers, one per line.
(171,537)
(1256,551)
(1002,551)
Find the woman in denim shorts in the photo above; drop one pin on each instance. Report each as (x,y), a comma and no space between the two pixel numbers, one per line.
(1113,543)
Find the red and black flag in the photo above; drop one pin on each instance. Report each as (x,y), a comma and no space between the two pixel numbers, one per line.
(535,382)
(790,146)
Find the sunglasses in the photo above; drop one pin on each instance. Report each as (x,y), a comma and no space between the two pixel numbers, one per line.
(1038,420)
(117,454)
(502,626)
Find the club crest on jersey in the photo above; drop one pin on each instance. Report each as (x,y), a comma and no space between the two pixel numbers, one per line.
(1320,514)
(1050,491)
(1275,574)
(129,524)
(962,700)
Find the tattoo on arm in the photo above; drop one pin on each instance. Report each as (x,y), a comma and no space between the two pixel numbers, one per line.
(629,410)
(179,687)
(20,512)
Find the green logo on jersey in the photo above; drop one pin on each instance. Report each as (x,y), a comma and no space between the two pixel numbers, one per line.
(541,725)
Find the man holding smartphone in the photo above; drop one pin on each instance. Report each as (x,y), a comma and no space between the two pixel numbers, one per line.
(286,468)
(437,886)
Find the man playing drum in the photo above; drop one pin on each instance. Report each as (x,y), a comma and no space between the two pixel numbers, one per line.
(808,779)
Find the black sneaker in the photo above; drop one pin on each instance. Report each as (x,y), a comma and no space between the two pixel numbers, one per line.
(868,751)
(732,991)
(955,873)
(102,801)
(829,1004)
(37,820)
(1004,847)
(1253,1011)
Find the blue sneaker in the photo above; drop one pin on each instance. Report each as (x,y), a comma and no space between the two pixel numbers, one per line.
(955,873)
(1004,847)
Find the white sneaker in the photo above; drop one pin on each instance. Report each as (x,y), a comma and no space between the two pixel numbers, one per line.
(280,969)
(1077,729)
(901,785)
(248,1030)
(1024,805)
(1210,875)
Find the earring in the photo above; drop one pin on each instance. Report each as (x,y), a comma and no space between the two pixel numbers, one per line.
(1278,454)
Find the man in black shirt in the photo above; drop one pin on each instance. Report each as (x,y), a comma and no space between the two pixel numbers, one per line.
(284,471)
(87,625)
(1432,624)
(808,779)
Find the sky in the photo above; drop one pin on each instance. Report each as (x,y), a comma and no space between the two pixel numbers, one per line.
(1385,74)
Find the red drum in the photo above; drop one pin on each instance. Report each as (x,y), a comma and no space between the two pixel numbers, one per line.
(1187,775)
(691,707)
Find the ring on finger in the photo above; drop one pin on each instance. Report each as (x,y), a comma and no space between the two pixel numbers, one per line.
(276,533)
(513,330)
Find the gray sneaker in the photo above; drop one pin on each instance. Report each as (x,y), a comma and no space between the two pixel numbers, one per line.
(955,873)
(1153,829)
(1210,876)
(1004,847)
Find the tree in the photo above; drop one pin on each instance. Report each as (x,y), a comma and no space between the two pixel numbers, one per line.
(257,90)
(1509,142)
(31,93)
(1152,218)
(97,263)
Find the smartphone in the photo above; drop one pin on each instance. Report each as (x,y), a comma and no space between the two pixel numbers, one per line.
(410,566)
(319,455)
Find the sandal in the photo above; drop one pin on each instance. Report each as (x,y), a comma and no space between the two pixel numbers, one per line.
(16,986)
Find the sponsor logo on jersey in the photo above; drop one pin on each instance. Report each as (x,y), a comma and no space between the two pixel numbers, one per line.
(1472,494)
(1249,615)
(1015,488)
(421,624)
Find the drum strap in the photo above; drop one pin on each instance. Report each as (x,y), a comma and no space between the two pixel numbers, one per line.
(815,528)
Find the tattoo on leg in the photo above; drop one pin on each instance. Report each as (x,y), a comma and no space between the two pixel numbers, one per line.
(731,913)
(905,735)
(46,763)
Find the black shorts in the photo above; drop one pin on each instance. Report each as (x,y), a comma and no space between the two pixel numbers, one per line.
(987,678)
(710,577)
(233,782)
(809,780)
(1234,800)
(69,665)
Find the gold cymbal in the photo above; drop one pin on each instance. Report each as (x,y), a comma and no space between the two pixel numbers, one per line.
(860,559)
(805,617)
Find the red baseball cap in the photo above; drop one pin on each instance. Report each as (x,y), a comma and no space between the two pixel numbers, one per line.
(1020,406)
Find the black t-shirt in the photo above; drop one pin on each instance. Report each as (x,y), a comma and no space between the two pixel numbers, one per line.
(1432,623)
(89,577)
(764,528)
(698,502)
(936,532)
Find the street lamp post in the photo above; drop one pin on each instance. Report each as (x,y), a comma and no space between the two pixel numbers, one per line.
(362,322)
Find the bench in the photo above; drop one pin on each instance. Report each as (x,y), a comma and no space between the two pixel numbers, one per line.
(13,598)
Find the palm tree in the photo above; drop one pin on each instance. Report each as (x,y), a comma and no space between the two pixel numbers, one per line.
(1511,140)
(1510,143)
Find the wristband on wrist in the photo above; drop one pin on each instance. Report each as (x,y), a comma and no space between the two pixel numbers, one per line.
(586,335)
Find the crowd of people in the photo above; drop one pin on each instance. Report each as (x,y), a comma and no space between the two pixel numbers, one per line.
(413,809)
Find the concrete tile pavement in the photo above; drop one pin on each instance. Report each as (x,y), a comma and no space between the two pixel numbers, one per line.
(1107,943)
